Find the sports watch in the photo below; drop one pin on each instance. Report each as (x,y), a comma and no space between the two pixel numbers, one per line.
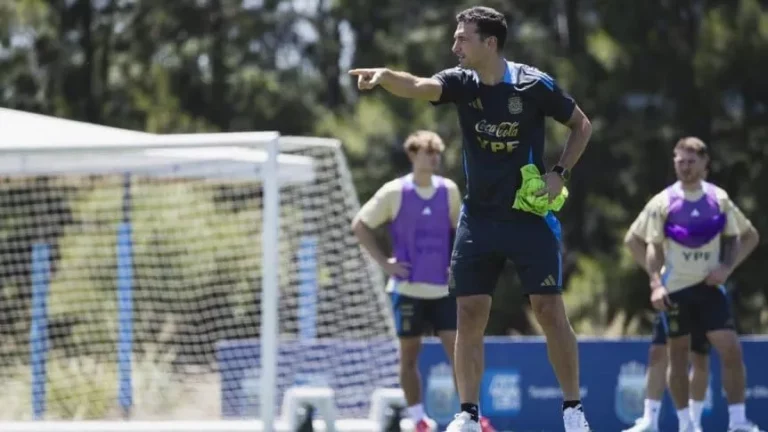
(564,173)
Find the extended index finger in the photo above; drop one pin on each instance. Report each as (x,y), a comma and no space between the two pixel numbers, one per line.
(357,71)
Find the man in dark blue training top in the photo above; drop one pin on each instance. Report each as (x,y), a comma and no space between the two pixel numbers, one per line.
(502,108)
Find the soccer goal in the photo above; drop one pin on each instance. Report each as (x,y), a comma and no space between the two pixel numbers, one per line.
(190,279)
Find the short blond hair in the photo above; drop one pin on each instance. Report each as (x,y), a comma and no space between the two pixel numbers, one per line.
(692,144)
(423,139)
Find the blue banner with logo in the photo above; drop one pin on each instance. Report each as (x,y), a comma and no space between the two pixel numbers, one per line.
(519,391)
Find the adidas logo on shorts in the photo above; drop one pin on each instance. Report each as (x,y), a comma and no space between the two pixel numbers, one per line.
(549,281)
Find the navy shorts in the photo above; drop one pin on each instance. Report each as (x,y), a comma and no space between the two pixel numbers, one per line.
(482,247)
(700,309)
(418,317)
(699,342)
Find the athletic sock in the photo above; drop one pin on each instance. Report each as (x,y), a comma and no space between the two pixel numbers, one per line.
(651,411)
(416,412)
(575,404)
(472,409)
(697,408)
(737,415)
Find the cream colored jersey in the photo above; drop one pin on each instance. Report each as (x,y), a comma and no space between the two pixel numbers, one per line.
(640,224)
(383,208)
(684,266)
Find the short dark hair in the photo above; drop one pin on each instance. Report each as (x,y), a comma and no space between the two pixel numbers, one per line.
(692,144)
(489,22)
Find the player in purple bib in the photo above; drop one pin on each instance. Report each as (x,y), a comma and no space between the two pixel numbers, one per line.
(655,384)
(422,210)
(693,232)
(419,239)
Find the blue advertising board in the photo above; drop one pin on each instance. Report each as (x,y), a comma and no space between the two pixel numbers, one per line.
(519,391)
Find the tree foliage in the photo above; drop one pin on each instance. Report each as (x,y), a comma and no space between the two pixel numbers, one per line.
(646,73)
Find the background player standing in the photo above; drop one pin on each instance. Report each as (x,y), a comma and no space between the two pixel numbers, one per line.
(655,383)
(423,209)
(502,108)
(693,246)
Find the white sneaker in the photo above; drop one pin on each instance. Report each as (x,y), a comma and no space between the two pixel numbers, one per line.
(574,420)
(642,425)
(748,427)
(462,422)
(686,427)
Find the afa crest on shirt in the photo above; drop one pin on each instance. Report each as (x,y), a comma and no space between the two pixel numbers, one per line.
(515,105)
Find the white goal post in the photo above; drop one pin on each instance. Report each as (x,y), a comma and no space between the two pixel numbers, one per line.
(267,158)
(172,151)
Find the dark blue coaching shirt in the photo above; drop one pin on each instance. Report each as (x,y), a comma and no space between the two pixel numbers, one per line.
(503,129)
